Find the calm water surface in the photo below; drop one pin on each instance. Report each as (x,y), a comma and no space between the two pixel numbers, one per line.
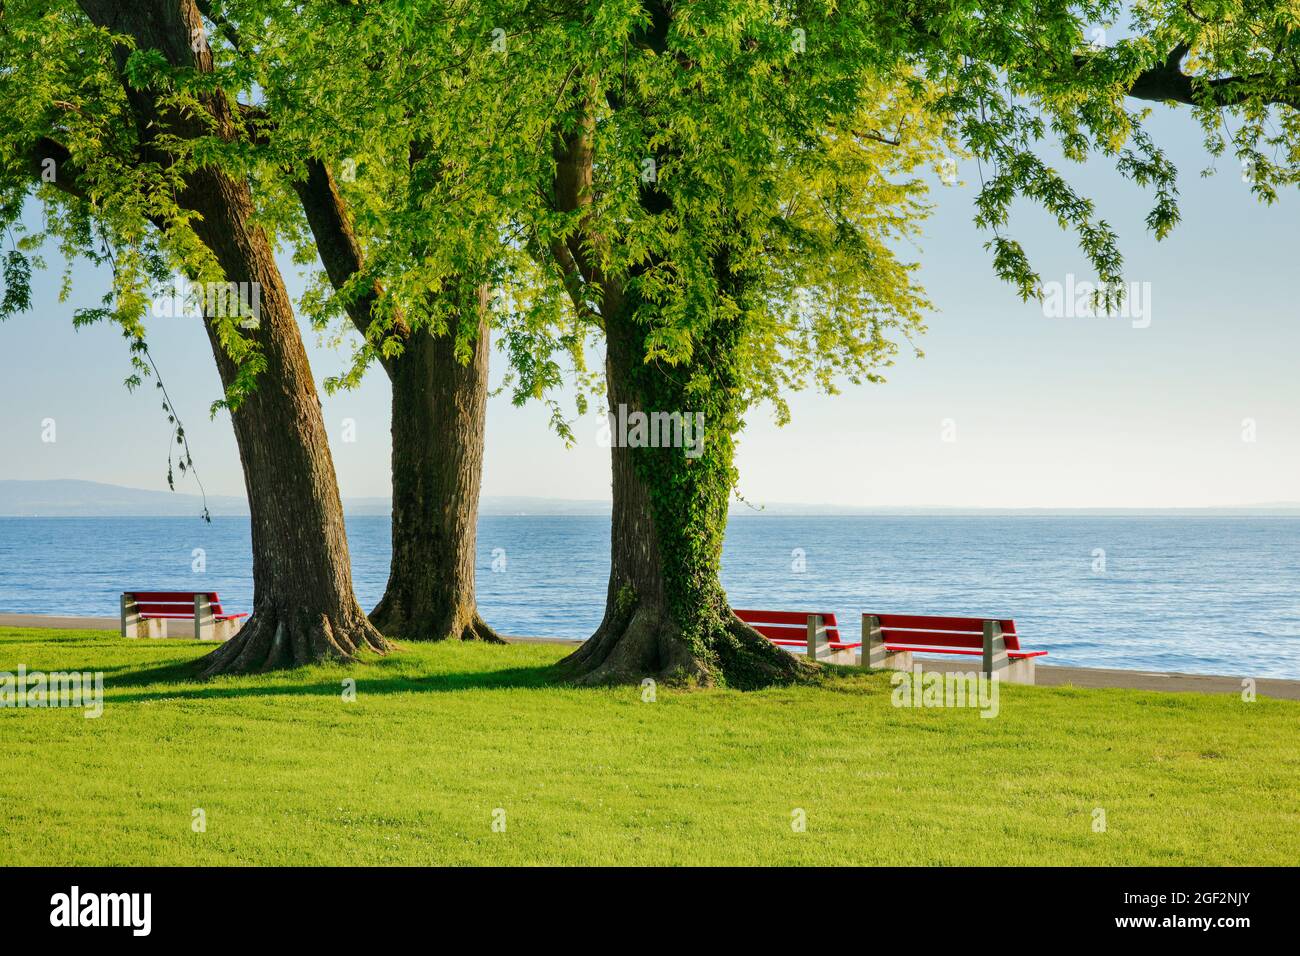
(1207,595)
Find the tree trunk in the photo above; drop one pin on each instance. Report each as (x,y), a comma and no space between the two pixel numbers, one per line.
(304,609)
(439,406)
(666,614)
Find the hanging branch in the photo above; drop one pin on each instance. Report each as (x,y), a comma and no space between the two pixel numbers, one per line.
(185,461)
(139,346)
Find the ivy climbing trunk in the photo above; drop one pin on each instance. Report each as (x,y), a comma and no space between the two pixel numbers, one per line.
(439,407)
(666,613)
(304,609)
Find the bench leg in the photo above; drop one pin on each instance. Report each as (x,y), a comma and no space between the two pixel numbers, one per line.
(844,655)
(1020,671)
(203,620)
(995,651)
(227,629)
(875,656)
(816,637)
(130,617)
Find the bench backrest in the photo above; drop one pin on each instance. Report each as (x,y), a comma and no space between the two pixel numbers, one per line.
(787,627)
(171,602)
(967,632)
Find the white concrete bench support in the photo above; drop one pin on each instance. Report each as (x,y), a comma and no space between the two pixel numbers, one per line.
(816,636)
(204,620)
(875,655)
(130,617)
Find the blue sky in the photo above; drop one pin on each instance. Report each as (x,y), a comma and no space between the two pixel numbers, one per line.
(1045,412)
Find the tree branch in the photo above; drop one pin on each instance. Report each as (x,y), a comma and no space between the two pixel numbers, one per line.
(331,228)
(336,244)
(66,173)
(1167,83)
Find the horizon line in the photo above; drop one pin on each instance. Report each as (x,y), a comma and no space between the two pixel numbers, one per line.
(376,504)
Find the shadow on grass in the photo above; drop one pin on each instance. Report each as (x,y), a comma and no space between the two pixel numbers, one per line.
(385,676)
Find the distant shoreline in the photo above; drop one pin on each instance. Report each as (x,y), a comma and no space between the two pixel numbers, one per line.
(75,498)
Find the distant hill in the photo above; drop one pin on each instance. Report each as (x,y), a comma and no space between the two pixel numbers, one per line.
(67,497)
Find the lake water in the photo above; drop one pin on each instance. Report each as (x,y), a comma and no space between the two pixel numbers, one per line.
(1202,595)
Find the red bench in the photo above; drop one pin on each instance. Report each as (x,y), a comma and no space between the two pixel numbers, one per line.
(890,640)
(815,632)
(147,613)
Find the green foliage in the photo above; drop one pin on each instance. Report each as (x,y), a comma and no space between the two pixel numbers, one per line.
(759,170)
(435,117)
(60,84)
(804,124)
(435,140)
(17,274)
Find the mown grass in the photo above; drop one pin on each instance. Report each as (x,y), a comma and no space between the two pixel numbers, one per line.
(441,736)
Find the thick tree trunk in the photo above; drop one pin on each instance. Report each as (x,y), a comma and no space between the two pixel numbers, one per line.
(439,406)
(666,614)
(304,609)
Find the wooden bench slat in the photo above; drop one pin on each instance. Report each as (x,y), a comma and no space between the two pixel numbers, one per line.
(174,605)
(780,635)
(169,597)
(934,648)
(926,623)
(172,610)
(833,645)
(940,649)
(190,617)
(785,618)
(944,636)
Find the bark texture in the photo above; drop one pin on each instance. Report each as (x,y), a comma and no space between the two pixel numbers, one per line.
(439,407)
(304,608)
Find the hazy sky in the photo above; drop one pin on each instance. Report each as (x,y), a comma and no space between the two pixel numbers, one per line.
(1045,412)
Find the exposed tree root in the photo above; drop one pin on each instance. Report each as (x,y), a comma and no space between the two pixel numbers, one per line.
(647,643)
(463,624)
(750,661)
(275,638)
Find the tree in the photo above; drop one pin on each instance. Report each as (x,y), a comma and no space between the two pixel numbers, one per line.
(111,102)
(777,145)
(730,245)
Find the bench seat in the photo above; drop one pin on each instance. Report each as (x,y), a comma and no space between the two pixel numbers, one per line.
(187,617)
(943,649)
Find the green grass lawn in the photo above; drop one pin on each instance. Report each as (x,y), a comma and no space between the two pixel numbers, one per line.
(442,736)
